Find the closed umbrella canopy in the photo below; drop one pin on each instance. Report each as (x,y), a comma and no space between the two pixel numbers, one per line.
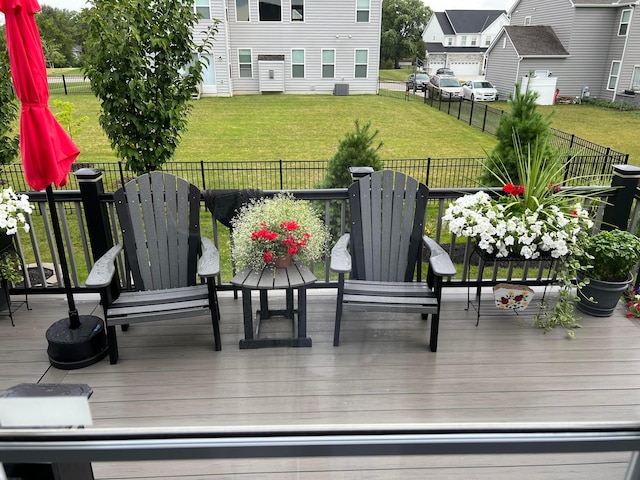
(46,149)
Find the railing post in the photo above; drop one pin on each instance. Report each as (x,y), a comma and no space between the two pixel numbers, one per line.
(625,184)
(96,216)
(64,85)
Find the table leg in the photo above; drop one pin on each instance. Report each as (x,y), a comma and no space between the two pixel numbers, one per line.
(264,305)
(247,314)
(302,312)
(289,302)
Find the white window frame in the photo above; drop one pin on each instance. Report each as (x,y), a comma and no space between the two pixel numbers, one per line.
(616,64)
(360,8)
(198,5)
(635,85)
(249,13)
(304,59)
(527,20)
(487,40)
(356,64)
(244,63)
(474,41)
(322,64)
(270,21)
(292,10)
(449,41)
(463,40)
(624,24)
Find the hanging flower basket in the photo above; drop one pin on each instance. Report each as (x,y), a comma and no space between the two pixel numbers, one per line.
(510,296)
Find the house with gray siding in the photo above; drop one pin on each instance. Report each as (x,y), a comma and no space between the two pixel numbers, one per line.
(291,46)
(589,45)
(458,39)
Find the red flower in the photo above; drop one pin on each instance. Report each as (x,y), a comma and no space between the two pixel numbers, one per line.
(629,314)
(267,256)
(511,189)
(292,250)
(504,300)
(518,298)
(289,226)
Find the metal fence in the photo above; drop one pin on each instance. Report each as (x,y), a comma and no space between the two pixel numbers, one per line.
(307,174)
(486,119)
(68,84)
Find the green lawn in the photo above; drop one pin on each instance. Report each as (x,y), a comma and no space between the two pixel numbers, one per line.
(309,127)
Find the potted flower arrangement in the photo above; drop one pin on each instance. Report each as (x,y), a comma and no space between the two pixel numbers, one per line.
(13,210)
(530,219)
(606,270)
(271,231)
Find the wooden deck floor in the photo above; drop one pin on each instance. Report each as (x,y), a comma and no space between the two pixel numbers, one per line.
(503,370)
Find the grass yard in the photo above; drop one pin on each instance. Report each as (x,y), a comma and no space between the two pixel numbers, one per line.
(309,127)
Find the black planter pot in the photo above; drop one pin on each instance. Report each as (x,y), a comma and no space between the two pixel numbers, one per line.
(605,296)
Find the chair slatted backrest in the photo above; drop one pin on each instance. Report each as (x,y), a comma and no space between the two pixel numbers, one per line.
(159,219)
(387,223)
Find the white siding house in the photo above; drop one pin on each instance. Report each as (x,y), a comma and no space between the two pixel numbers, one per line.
(292,46)
(599,47)
(458,39)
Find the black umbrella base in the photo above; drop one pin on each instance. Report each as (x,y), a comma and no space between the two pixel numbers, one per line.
(70,349)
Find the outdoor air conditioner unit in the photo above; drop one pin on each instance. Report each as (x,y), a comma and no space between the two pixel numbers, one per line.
(341,89)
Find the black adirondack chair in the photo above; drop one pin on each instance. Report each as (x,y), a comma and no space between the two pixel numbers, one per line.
(159,218)
(385,243)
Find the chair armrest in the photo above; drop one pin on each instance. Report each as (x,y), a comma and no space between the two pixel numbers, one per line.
(104,269)
(209,261)
(340,257)
(439,260)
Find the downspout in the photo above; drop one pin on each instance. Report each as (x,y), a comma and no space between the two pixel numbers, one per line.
(624,52)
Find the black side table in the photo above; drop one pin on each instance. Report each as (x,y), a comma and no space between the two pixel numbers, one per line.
(296,276)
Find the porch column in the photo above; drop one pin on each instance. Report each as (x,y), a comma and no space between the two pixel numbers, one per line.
(96,216)
(625,184)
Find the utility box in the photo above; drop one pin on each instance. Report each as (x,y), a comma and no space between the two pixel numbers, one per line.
(585,93)
(341,89)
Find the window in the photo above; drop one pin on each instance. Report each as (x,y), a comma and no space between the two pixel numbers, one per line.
(527,21)
(463,40)
(328,63)
(474,41)
(242,10)
(449,41)
(203,9)
(270,10)
(297,63)
(635,79)
(362,10)
(244,63)
(625,19)
(487,40)
(297,10)
(362,63)
(613,75)
(504,42)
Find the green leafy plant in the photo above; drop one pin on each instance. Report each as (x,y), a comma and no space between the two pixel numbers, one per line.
(612,254)
(64,115)
(271,227)
(10,267)
(140,61)
(9,144)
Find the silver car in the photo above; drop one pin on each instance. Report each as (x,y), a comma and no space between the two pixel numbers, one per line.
(479,90)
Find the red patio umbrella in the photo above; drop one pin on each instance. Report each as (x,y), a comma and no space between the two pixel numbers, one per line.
(47,155)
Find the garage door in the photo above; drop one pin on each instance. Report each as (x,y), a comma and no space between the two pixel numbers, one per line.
(434,66)
(466,69)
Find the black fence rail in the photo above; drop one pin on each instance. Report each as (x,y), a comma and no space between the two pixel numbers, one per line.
(68,84)
(307,174)
(486,119)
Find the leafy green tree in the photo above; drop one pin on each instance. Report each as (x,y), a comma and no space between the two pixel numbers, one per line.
(65,117)
(52,55)
(403,22)
(139,60)
(57,29)
(9,143)
(524,128)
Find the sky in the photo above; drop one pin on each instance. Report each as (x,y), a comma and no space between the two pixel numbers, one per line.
(436,5)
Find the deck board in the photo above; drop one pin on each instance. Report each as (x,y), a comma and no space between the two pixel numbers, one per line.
(383,372)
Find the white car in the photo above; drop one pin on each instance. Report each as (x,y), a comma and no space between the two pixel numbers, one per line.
(479,90)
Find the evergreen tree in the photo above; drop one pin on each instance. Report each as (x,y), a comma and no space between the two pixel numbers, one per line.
(525,125)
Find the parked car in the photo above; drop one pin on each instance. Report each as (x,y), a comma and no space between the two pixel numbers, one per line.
(478,90)
(445,71)
(417,81)
(445,87)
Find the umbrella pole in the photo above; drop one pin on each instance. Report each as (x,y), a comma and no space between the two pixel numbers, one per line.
(74,318)
(76,341)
